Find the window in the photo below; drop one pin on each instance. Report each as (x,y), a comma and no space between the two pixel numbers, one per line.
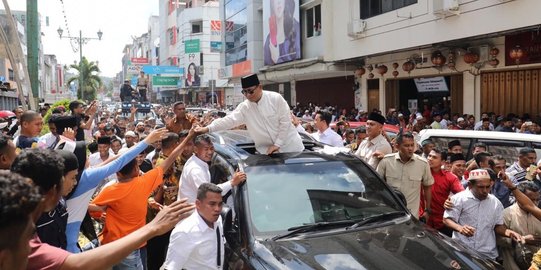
(313,21)
(235,31)
(371,8)
(172,35)
(197,27)
(11,75)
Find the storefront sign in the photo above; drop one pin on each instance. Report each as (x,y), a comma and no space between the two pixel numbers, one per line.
(242,68)
(191,46)
(436,84)
(165,81)
(529,42)
(148,69)
(215,46)
(139,61)
(133,69)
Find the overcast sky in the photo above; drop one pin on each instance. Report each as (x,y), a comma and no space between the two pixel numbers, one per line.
(119,20)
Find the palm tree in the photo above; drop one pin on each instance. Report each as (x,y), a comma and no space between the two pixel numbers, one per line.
(91,82)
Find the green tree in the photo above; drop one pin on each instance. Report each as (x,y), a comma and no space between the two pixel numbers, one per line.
(92,81)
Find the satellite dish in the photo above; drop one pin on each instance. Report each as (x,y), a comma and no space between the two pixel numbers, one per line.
(157,42)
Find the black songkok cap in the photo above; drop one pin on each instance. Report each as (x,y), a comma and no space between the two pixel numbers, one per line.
(455,157)
(249,81)
(453,143)
(376,117)
(104,140)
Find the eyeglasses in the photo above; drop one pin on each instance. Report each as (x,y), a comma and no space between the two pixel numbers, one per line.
(249,90)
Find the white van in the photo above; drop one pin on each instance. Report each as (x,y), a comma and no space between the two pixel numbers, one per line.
(506,144)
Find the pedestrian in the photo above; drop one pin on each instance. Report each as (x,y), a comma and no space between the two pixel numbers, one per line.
(142,85)
(182,120)
(520,168)
(19,199)
(8,152)
(360,135)
(375,146)
(267,118)
(196,170)
(445,183)
(30,127)
(198,242)
(324,133)
(522,222)
(454,147)
(477,216)
(126,92)
(427,146)
(125,204)
(408,172)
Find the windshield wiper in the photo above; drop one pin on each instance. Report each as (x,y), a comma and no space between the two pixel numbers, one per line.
(375,218)
(310,227)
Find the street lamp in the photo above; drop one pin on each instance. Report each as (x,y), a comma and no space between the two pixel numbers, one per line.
(80,40)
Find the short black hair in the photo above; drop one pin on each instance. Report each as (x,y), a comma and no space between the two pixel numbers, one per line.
(480,144)
(18,199)
(202,138)
(183,133)
(525,151)
(350,131)
(443,154)
(400,137)
(4,140)
(44,166)
(74,104)
(481,157)
(177,103)
(93,147)
(207,187)
(325,116)
(527,185)
(29,116)
(128,168)
(169,139)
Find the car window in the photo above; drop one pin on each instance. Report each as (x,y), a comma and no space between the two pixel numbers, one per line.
(508,149)
(283,196)
(443,142)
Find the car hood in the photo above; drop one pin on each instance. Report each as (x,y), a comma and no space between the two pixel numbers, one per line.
(398,246)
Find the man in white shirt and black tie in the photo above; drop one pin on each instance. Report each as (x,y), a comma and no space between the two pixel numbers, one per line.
(198,242)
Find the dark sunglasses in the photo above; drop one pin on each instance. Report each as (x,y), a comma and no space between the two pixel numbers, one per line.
(249,90)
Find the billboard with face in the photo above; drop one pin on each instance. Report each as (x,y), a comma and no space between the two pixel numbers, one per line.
(192,78)
(281,30)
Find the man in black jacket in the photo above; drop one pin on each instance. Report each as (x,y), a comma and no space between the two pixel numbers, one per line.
(126,92)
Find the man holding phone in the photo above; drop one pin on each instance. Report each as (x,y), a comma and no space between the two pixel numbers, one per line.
(77,109)
(524,166)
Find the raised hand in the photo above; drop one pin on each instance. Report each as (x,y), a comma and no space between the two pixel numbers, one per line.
(170,215)
(155,135)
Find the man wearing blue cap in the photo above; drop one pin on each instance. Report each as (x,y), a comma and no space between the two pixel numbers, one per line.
(267,118)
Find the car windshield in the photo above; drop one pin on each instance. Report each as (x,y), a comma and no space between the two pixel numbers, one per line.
(289,195)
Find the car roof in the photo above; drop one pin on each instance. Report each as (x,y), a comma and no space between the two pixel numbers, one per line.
(470,134)
(238,144)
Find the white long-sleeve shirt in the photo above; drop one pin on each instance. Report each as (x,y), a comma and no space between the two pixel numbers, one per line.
(195,173)
(268,122)
(329,137)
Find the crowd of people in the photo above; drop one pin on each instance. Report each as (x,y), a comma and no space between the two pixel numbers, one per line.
(108,189)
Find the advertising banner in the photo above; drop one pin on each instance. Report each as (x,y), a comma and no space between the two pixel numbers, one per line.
(148,69)
(281,30)
(192,46)
(165,81)
(192,76)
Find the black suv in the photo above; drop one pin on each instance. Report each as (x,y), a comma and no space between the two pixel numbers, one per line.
(314,210)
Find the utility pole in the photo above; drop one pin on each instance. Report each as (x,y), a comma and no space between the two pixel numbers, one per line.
(32,41)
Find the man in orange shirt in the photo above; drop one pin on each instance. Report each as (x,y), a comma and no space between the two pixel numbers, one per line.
(125,203)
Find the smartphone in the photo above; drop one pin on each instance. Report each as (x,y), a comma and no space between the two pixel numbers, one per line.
(528,123)
(530,171)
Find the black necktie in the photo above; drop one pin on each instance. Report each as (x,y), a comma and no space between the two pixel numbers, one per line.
(218,247)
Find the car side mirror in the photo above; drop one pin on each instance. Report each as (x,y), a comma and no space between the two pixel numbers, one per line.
(400,196)
(231,232)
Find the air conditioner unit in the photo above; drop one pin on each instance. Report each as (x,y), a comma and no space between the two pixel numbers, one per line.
(446,7)
(201,70)
(356,28)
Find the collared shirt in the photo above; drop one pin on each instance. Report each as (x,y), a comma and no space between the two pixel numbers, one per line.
(171,179)
(444,183)
(268,122)
(329,137)
(407,177)
(193,245)
(195,173)
(522,223)
(517,174)
(368,147)
(177,126)
(482,215)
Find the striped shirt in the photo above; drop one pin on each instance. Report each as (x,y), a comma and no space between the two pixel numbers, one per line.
(516,173)
(482,215)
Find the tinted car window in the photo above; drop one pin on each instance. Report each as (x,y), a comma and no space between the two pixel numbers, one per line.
(441,143)
(316,192)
